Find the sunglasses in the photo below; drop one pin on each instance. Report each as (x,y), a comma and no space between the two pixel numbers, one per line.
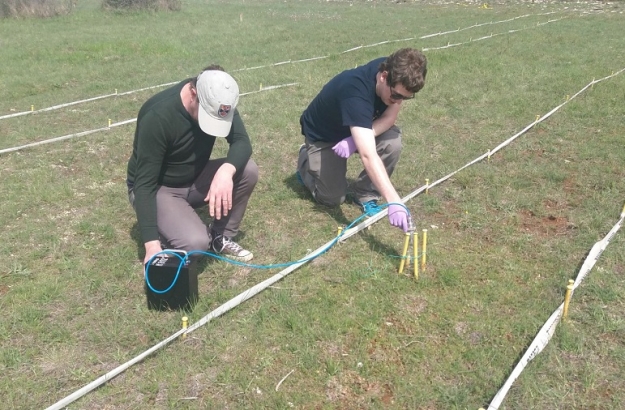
(397,96)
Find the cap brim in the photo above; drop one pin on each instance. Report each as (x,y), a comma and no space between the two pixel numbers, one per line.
(218,127)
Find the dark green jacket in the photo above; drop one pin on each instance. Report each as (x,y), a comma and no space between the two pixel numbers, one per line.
(170,149)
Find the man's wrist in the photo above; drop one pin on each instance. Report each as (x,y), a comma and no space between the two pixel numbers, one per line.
(228,169)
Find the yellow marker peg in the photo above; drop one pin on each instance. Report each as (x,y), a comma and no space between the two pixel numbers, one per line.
(415,254)
(568,97)
(488,155)
(623,211)
(567,298)
(260,87)
(116,91)
(423,249)
(427,186)
(404,253)
(241,17)
(340,231)
(32,108)
(185,324)
(109,123)
(537,117)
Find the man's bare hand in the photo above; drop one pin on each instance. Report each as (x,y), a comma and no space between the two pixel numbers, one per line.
(219,196)
(151,249)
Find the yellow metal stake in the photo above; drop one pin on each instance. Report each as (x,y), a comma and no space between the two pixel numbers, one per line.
(567,297)
(427,186)
(32,108)
(415,254)
(423,249)
(339,232)
(109,123)
(185,324)
(404,252)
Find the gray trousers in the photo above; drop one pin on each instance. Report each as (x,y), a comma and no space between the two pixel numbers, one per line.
(178,223)
(324,172)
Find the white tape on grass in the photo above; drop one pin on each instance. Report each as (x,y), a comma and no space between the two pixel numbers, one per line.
(56,107)
(546,332)
(253,92)
(113,125)
(108,376)
(65,137)
(69,104)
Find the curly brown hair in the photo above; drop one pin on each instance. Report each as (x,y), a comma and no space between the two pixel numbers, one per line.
(406,66)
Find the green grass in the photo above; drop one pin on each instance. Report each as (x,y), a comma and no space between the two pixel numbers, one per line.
(505,235)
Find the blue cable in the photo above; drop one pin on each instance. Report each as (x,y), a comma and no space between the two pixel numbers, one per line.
(147,266)
(235,262)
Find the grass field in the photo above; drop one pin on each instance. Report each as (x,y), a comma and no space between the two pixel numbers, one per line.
(505,235)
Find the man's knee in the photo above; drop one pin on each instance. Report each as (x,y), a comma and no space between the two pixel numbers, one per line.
(250,173)
(390,145)
(196,242)
(329,201)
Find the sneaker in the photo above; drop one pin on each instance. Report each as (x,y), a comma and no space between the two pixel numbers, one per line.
(369,208)
(227,247)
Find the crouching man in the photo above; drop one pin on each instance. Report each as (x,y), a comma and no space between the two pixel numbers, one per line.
(171,172)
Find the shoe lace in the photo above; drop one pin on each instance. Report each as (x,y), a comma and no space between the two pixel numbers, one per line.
(231,245)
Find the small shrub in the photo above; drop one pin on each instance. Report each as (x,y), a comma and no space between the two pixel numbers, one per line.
(35,8)
(154,5)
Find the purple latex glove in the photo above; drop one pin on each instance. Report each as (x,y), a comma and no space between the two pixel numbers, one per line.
(345,148)
(398,217)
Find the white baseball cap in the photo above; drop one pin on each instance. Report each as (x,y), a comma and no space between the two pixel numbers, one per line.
(218,94)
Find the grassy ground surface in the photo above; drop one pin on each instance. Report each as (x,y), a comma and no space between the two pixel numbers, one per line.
(505,235)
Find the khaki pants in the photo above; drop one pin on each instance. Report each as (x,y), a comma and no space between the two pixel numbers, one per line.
(178,223)
(324,172)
